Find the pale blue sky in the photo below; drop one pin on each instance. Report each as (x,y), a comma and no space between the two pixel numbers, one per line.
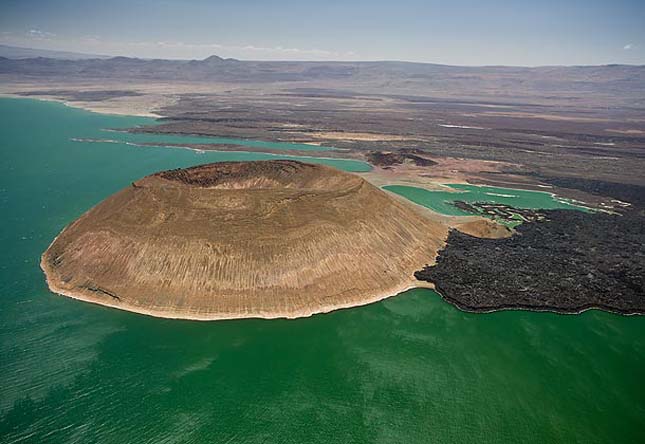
(464,32)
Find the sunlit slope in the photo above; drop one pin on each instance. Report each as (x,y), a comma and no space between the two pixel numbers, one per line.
(252,239)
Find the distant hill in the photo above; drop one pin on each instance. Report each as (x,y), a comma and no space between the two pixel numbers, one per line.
(607,84)
(15,52)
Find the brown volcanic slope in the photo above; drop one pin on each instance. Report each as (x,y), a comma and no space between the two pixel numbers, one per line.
(250,239)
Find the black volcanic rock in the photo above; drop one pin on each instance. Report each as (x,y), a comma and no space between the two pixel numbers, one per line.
(389,158)
(570,262)
(630,193)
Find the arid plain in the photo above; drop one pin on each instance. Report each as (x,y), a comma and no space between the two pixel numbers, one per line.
(577,132)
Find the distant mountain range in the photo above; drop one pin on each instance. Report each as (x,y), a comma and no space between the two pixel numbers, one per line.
(16,52)
(626,83)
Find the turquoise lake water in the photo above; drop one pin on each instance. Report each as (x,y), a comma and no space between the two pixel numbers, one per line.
(441,201)
(410,369)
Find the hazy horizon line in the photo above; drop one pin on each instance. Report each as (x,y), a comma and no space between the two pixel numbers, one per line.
(95,56)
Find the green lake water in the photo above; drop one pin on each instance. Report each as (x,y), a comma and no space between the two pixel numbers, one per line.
(410,369)
(441,201)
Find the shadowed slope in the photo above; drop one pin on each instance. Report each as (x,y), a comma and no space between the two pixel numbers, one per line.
(253,239)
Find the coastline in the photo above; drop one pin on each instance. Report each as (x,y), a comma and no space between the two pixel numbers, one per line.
(295,314)
(558,270)
(282,155)
(546,309)
(117,109)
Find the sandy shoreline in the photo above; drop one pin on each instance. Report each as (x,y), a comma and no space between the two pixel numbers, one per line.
(109,107)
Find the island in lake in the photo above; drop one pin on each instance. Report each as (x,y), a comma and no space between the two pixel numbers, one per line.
(289,239)
(245,239)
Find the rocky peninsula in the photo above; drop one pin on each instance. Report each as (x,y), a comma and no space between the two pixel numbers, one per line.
(562,261)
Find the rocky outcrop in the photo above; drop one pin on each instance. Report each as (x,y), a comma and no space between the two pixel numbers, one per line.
(570,262)
(391,158)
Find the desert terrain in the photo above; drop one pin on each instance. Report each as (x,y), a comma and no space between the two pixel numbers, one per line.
(522,127)
(578,131)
